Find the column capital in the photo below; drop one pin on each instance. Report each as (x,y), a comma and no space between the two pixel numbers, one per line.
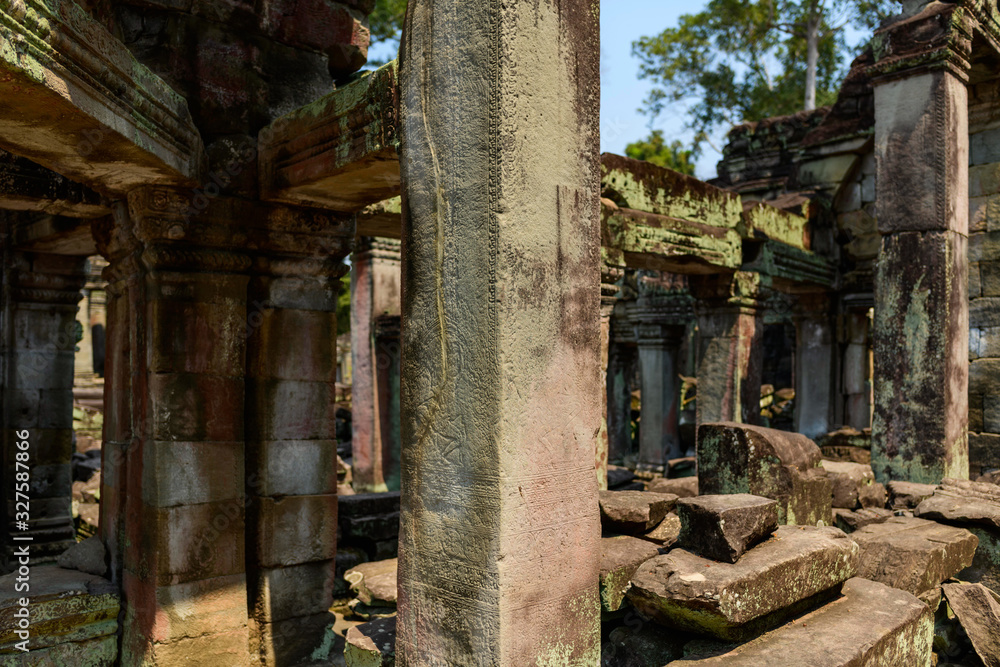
(48,279)
(742,291)
(376,248)
(929,36)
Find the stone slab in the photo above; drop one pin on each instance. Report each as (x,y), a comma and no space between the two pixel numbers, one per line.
(666,533)
(907,495)
(848,480)
(374,583)
(870,624)
(634,512)
(964,502)
(912,554)
(682,487)
(620,557)
(850,520)
(978,611)
(723,527)
(738,601)
(371,644)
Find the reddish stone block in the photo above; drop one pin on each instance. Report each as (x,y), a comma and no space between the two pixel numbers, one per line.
(291,409)
(295,345)
(196,337)
(190,473)
(189,610)
(190,407)
(295,529)
(329,27)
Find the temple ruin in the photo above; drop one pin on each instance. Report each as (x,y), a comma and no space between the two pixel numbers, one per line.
(590,411)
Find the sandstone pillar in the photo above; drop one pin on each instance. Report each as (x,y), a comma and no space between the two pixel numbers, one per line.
(39,336)
(499,551)
(375,291)
(660,330)
(623,360)
(609,297)
(730,330)
(387,362)
(921,327)
(814,364)
(855,368)
(291,446)
(173,479)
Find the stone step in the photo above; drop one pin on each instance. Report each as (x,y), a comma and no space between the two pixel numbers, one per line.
(374,583)
(620,557)
(782,576)
(869,624)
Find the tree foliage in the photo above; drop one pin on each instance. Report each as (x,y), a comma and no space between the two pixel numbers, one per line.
(656,150)
(386,22)
(740,60)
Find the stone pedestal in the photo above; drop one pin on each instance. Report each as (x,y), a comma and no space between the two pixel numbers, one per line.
(39,337)
(375,292)
(921,328)
(814,366)
(730,329)
(499,530)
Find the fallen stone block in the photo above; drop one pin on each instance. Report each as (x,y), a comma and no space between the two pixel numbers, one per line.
(634,512)
(735,602)
(912,554)
(869,624)
(374,583)
(850,520)
(682,487)
(619,476)
(87,556)
(872,496)
(907,495)
(666,532)
(371,644)
(620,557)
(738,458)
(991,477)
(978,611)
(723,527)
(848,480)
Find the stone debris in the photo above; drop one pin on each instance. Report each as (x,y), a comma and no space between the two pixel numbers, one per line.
(86,556)
(872,496)
(723,527)
(847,445)
(642,645)
(735,602)
(620,557)
(991,477)
(869,624)
(682,487)
(371,644)
(978,610)
(738,458)
(634,512)
(374,583)
(666,532)
(907,495)
(850,520)
(912,554)
(848,480)
(619,477)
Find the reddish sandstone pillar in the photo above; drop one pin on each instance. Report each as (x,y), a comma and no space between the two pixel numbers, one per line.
(730,328)
(499,541)
(174,429)
(291,338)
(375,292)
(921,328)
(39,338)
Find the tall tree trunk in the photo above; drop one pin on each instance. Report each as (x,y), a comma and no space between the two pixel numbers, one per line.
(812,60)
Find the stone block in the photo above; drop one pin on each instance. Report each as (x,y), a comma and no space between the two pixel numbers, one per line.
(634,512)
(848,480)
(984,451)
(963,502)
(984,312)
(682,487)
(196,337)
(738,458)
(907,495)
(295,344)
(208,650)
(175,473)
(620,557)
(984,180)
(872,496)
(293,642)
(984,213)
(87,556)
(619,476)
(870,624)
(295,467)
(97,652)
(296,529)
(293,591)
(371,644)
(51,481)
(736,602)
(291,409)
(991,413)
(172,613)
(374,583)
(666,532)
(978,610)
(724,527)
(984,147)
(196,407)
(913,554)
(989,279)
(850,520)
(975,281)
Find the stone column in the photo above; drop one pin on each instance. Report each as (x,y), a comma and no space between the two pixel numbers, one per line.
(39,340)
(375,291)
(291,446)
(623,360)
(814,366)
(387,362)
(174,428)
(499,528)
(730,330)
(855,368)
(660,327)
(609,297)
(921,328)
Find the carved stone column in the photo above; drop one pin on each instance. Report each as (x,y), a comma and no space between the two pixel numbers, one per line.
(39,337)
(730,330)
(609,297)
(623,360)
(814,366)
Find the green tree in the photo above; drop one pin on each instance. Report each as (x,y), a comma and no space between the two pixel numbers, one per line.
(386,22)
(656,150)
(740,60)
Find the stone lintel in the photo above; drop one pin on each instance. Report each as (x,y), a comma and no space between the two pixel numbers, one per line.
(764,222)
(340,152)
(26,186)
(789,269)
(55,235)
(75,100)
(383,219)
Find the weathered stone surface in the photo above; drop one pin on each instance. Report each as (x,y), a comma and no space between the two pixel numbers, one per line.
(978,611)
(848,479)
(907,495)
(640,644)
(87,556)
(913,554)
(371,644)
(666,531)
(870,624)
(723,527)
(991,477)
(850,520)
(634,512)
(374,583)
(737,601)
(872,496)
(620,556)
(682,487)
(964,502)
(738,458)
(97,652)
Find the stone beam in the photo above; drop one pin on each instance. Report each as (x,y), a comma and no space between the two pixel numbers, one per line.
(499,527)
(55,235)
(75,100)
(340,152)
(381,220)
(26,186)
